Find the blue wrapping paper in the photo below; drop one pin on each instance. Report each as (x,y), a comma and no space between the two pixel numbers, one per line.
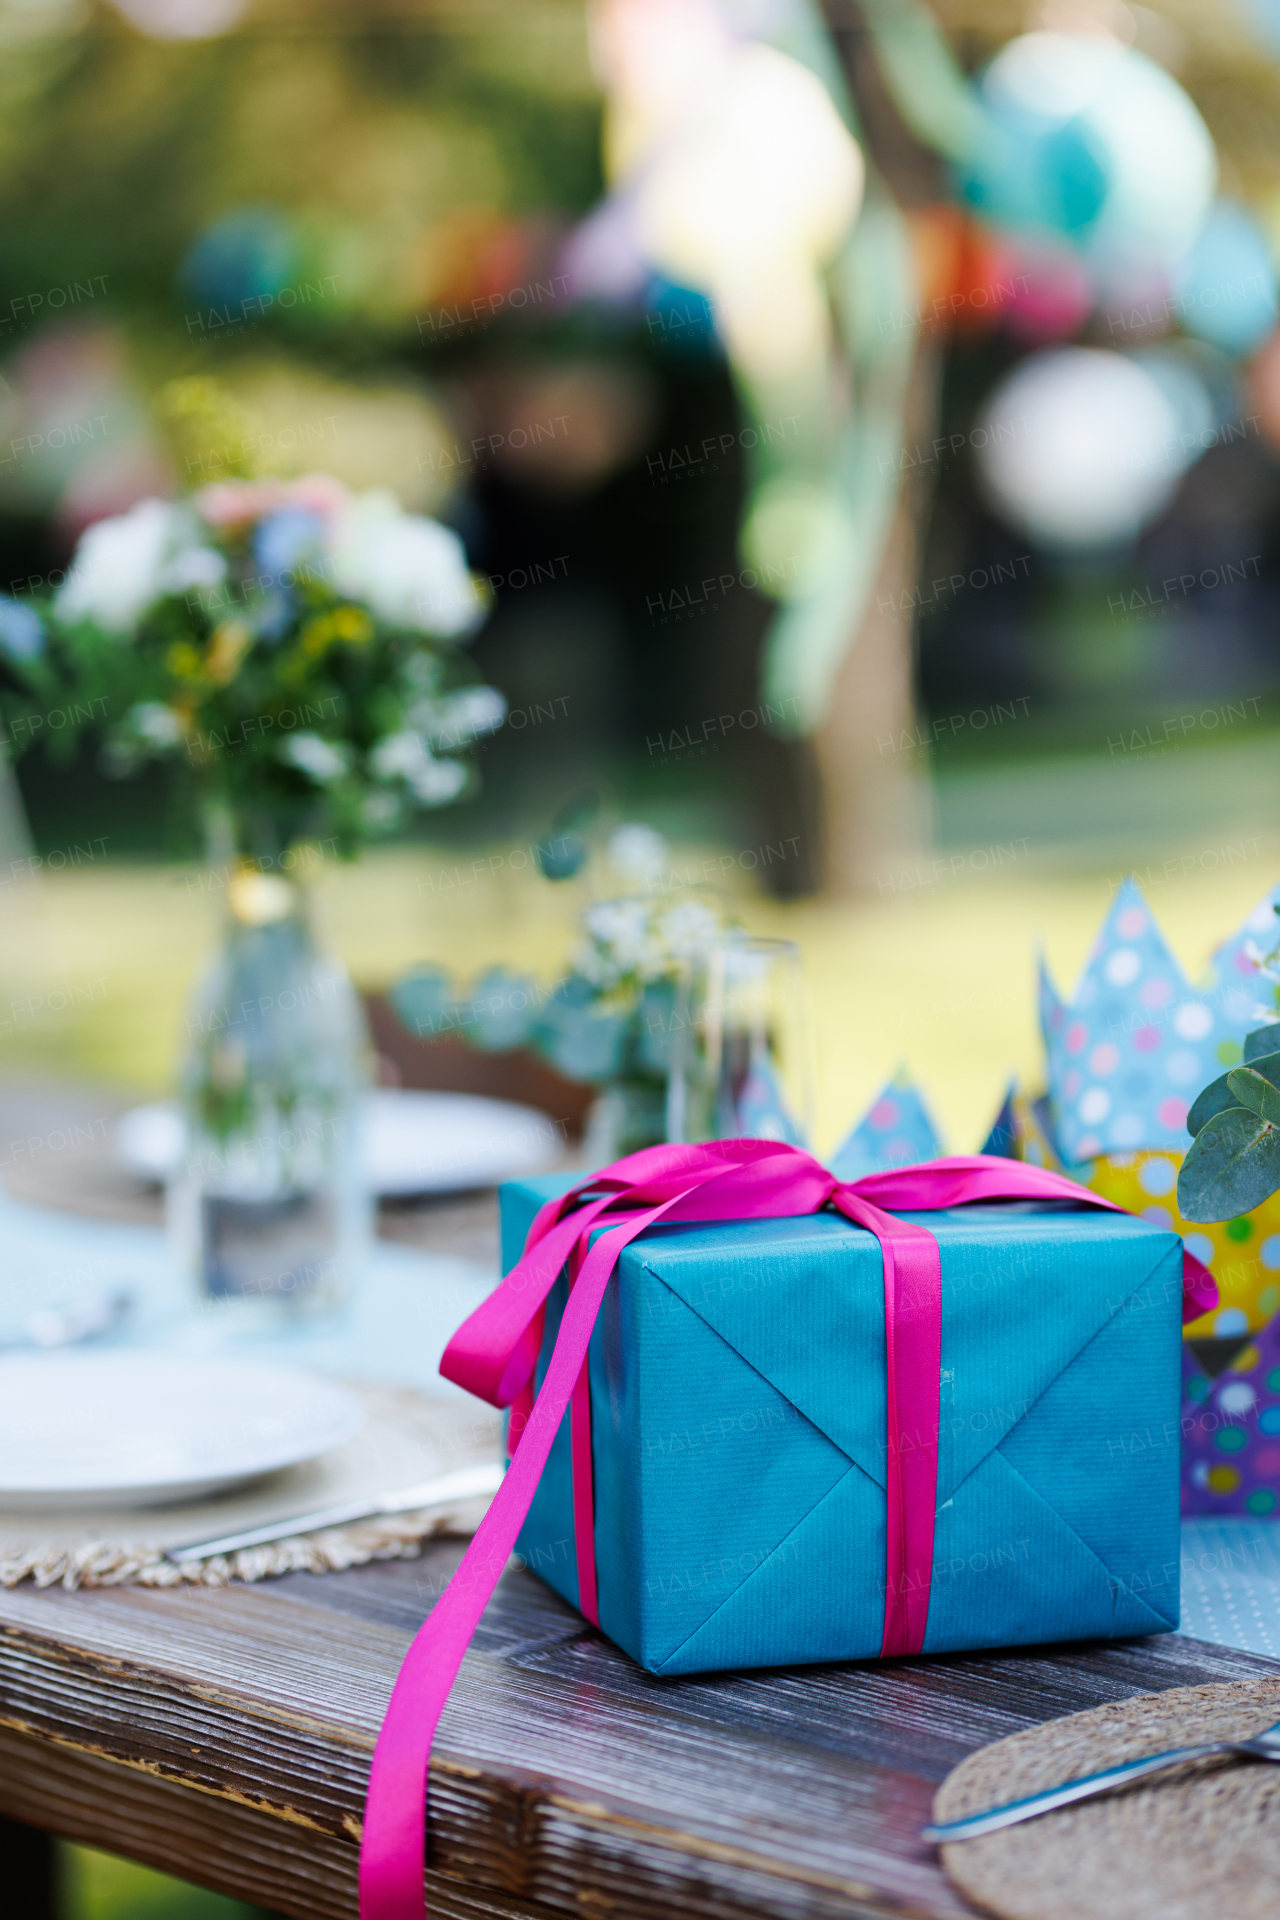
(738,1436)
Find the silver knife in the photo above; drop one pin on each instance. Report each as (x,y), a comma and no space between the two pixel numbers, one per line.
(467,1484)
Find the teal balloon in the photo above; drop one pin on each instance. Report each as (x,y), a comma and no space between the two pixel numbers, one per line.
(1038,173)
(1225,288)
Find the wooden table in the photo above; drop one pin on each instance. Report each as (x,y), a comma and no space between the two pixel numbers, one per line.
(225,1737)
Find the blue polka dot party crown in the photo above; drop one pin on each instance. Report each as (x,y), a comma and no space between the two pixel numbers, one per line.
(896,1131)
(1130,1054)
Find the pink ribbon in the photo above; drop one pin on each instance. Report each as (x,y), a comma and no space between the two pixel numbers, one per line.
(495,1352)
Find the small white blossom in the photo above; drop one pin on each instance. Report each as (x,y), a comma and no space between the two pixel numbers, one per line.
(641,940)
(406,756)
(323,762)
(638,853)
(688,928)
(381,809)
(460,717)
(155,723)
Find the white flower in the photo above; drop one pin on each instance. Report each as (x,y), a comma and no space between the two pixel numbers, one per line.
(641,940)
(460,717)
(619,942)
(126,562)
(406,756)
(381,809)
(155,723)
(318,758)
(409,570)
(688,928)
(638,853)
(194,567)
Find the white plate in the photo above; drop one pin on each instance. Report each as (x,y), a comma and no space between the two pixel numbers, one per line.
(413,1142)
(144,1429)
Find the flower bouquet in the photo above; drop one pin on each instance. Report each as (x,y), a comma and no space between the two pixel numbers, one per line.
(289,649)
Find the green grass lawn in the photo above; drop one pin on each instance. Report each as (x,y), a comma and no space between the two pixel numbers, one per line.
(97,1886)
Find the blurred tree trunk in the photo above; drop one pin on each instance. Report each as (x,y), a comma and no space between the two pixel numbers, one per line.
(876,790)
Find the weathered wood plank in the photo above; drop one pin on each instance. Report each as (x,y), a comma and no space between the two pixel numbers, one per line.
(225,1736)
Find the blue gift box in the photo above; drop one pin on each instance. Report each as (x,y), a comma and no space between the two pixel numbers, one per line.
(738,1435)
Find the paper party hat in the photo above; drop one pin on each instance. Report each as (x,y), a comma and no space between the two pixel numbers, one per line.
(761,1108)
(895,1132)
(1243,997)
(1131,1052)
(1231,1431)
(1023,1130)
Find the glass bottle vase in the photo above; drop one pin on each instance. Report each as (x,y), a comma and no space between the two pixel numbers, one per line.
(742,1056)
(269,1207)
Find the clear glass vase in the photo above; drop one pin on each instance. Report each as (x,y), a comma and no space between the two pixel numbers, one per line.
(742,1056)
(269,1208)
(624,1117)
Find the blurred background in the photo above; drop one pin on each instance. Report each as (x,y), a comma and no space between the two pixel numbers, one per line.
(866,419)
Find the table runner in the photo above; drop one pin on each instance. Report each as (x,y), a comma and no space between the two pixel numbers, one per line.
(408,1437)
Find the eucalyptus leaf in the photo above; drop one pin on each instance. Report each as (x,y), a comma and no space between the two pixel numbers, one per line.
(1217,1096)
(583,1041)
(1256,1092)
(1262,1041)
(562,856)
(421,999)
(1232,1166)
(503,1006)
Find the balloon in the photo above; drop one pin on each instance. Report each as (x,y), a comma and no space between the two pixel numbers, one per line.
(1092,140)
(1051,293)
(1081,448)
(1224,289)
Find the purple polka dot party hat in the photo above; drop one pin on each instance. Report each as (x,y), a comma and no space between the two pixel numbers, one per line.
(1231,1427)
(896,1131)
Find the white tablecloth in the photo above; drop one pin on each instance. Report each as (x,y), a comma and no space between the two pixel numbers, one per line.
(394,1328)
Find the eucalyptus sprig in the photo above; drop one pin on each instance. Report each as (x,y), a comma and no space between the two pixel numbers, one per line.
(1233,1162)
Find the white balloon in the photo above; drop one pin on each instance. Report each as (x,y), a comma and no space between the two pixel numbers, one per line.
(1080,448)
(749,198)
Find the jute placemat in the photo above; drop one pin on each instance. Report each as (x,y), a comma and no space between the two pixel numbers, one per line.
(1201,1842)
(408,1437)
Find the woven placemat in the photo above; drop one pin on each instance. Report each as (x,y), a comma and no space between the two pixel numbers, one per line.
(1201,1842)
(407,1437)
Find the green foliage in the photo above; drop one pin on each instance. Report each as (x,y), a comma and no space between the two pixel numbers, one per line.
(591,1029)
(98,1886)
(362,132)
(1255,1091)
(1260,1043)
(1233,1163)
(1218,1095)
(1233,1166)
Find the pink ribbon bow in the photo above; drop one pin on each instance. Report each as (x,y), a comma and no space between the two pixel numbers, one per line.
(494,1354)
